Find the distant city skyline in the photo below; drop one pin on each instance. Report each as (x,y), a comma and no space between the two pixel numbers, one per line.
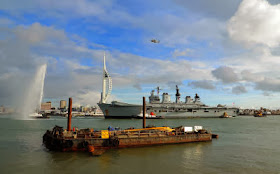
(226,51)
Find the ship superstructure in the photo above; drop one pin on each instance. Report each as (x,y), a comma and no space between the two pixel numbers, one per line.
(165,108)
(188,108)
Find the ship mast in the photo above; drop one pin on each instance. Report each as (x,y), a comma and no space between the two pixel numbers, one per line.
(107,83)
(177,94)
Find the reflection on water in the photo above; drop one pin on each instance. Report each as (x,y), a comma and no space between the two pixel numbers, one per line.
(245,145)
(193,152)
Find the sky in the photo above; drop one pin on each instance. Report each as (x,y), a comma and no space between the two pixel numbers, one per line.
(226,51)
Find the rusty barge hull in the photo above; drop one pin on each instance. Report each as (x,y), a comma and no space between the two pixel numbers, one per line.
(119,139)
(60,144)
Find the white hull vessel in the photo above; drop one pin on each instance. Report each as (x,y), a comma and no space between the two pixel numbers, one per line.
(131,111)
(35,115)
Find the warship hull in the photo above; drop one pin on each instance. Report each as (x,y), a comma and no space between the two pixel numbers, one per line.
(120,110)
(123,110)
(199,113)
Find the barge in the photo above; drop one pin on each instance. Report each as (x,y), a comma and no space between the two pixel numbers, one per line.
(97,142)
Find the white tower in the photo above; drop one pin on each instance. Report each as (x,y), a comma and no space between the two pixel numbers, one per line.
(107,84)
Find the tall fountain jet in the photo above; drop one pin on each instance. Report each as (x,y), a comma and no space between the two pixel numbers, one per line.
(34,95)
(42,75)
(107,83)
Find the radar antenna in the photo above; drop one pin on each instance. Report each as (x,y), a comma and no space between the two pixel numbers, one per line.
(158,90)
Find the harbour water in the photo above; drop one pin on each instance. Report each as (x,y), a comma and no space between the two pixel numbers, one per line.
(246,145)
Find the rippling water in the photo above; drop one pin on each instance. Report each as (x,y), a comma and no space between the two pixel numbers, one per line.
(245,145)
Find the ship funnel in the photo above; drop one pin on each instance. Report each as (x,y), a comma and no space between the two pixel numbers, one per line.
(107,83)
(189,99)
(166,98)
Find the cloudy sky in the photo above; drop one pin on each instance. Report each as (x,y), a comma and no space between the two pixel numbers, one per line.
(226,51)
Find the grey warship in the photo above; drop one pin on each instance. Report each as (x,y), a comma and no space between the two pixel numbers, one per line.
(190,108)
(165,108)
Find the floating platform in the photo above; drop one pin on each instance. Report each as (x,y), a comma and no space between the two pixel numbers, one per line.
(97,142)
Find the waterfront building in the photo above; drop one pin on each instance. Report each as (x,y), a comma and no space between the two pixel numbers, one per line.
(46,106)
(81,108)
(63,104)
(2,109)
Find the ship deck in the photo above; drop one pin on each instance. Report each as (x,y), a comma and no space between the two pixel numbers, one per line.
(95,141)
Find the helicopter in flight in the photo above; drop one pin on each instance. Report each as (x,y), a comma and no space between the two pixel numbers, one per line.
(155,41)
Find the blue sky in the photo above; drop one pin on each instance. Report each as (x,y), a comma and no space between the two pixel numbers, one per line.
(226,51)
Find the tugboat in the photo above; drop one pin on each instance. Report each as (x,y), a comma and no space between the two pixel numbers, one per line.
(259,114)
(225,115)
(148,116)
(38,116)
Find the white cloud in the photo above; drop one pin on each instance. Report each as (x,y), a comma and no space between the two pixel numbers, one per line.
(217,8)
(87,97)
(75,63)
(267,94)
(257,67)
(37,43)
(6,22)
(148,70)
(256,22)
(37,33)
(251,77)
(171,28)
(179,53)
(239,89)
(176,30)
(226,74)
(204,84)
(71,8)
(269,84)
(137,86)
(26,47)
(172,84)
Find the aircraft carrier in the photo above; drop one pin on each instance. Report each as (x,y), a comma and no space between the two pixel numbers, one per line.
(163,108)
